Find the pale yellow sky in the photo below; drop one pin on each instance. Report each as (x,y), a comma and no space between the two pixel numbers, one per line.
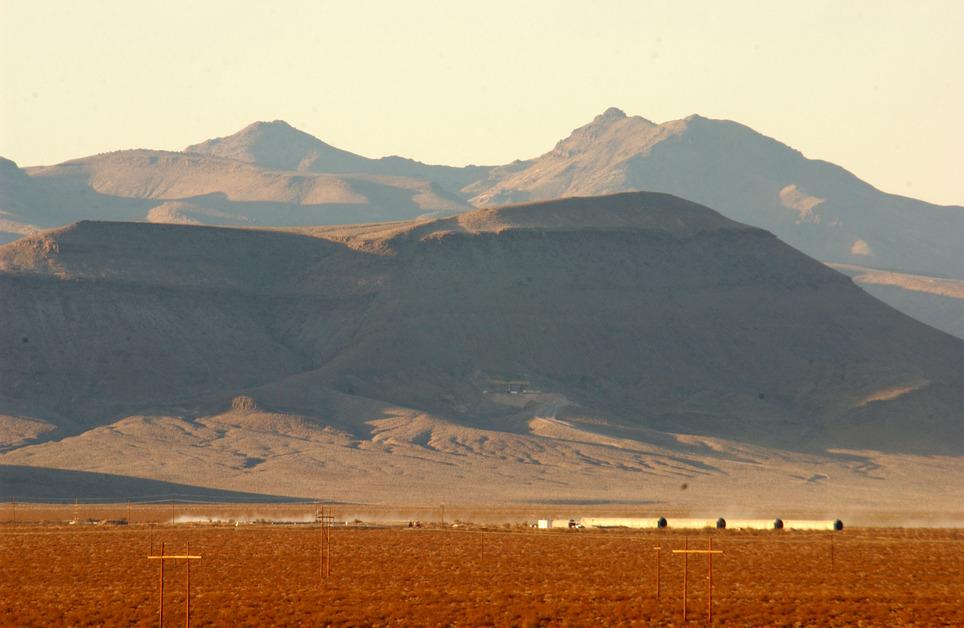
(875,86)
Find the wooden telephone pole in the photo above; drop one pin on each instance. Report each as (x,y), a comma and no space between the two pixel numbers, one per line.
(326,520)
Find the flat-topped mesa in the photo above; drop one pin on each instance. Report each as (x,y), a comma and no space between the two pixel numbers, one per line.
(623,212)
(628,211)
(644,308)
(190,257)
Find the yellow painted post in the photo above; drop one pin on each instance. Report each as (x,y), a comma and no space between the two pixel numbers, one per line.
(686,553)
(187,592)
(831,552)
(160,612)
(162,557)
(709,569)
(657,570)
(686,543)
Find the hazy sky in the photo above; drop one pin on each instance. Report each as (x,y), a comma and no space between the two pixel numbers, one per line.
(875,86)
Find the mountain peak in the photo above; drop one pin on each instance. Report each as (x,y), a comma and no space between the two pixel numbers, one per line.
(269,125)
(613,113)
(277,144)
(259,131)
(276,123)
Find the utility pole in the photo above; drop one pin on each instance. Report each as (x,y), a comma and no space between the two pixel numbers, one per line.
(326,520)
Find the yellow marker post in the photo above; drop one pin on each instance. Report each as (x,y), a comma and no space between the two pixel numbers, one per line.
(709,551)
(657,550)
(187,602)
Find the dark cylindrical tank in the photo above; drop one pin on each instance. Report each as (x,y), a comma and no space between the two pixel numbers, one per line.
(778,524)
(661,522)
(838,525)
(720,523)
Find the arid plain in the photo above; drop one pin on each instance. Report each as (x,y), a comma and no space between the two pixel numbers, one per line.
(258,575)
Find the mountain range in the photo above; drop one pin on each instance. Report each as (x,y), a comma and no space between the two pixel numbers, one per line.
(271,174)
(525,352)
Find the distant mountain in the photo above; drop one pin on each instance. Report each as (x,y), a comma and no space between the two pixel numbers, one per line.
(266,174)
(280,146)
(159,186)
(645,309)
(271,174)
(815,206)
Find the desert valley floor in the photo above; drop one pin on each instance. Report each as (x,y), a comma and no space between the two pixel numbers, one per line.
(259,575)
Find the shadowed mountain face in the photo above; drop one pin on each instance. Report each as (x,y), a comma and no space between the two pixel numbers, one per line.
(646,309)
(35,483)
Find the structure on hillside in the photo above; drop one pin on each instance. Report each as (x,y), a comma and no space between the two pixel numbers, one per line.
(509,386)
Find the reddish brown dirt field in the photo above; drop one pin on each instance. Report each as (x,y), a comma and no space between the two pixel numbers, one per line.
(269,575)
